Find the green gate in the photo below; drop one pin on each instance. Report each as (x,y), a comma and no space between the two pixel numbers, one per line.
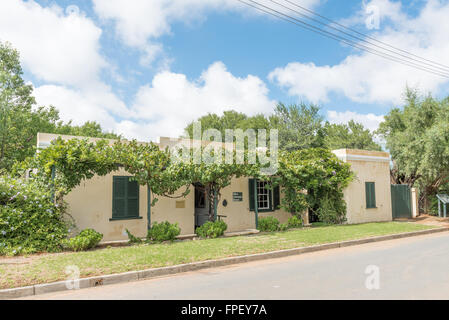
(401,201)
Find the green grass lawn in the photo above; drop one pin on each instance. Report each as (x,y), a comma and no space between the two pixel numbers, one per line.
(49,268)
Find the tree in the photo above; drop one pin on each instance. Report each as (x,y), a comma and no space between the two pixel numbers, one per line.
(418,139)
(21,119)
(229,120)
(349,136)
(300,126)
(88,129)
(16,103)
(214,177)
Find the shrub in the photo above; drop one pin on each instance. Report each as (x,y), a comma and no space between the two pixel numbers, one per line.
(332,212)
(164,231)
(268,224)
(133,239)
(29,220)
(212,229)
(316,170)
(283,227)
(86,240)
(294,222)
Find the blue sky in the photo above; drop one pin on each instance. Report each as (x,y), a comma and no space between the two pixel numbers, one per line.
(147,68)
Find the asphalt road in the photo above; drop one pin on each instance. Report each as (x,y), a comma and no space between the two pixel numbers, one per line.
(412,268)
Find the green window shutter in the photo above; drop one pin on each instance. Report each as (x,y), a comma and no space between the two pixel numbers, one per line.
(271,208)
(119,197)
(370,191)
(125,198)
(251,186)
(276,197)
(373,195)
(133,199)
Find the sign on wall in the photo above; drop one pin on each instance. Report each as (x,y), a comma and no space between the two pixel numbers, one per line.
(237,196)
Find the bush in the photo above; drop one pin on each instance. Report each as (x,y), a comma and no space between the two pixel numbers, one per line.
(86,240)
(294,222)
(212,229)
(29,220)
(331,211)
(164,231)
(133,239)
(268,224)
(283,227)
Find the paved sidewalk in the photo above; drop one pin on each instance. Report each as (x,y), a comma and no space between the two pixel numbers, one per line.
(429,220)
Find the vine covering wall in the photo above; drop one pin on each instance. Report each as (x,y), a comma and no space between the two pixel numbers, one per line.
(32,216)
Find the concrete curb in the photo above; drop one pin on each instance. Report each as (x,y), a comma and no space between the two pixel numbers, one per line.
(158,272)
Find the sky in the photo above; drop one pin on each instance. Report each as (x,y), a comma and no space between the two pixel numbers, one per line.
(147,68)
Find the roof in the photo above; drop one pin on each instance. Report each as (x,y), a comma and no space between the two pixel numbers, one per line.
(44,140)
(362,155)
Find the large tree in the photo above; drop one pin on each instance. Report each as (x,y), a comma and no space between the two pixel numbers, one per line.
(349,136)
(229,120)
(300,126)
(16,115)
(21,119)
(417,137)
(88,129)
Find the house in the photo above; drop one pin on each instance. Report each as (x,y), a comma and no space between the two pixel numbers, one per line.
(113,203)
(368,196)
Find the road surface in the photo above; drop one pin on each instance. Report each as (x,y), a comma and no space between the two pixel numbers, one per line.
(412,268)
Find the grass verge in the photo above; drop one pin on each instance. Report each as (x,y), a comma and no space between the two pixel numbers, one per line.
(26,271)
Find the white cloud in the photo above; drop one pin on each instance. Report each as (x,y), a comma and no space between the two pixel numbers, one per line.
(172,101)
(370,79)
(139,23)
(54,47)
(77,105)
(388,11)
(62,50)
(369,121)
(165,107)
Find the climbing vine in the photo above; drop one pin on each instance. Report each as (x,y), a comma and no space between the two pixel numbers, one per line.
(312,177)
(308,177)
(66,163)
(214,177)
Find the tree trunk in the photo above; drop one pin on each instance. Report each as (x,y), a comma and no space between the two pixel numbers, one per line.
(305,218)
(213,196)
(426,203)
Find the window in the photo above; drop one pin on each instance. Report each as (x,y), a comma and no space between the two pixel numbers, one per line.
(263,196)
(370,192)
(125,199)
(268,199)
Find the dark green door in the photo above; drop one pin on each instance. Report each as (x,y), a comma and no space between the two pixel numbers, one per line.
(401,201)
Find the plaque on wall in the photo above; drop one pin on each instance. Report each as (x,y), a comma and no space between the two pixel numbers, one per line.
(180,204)
(237,196)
